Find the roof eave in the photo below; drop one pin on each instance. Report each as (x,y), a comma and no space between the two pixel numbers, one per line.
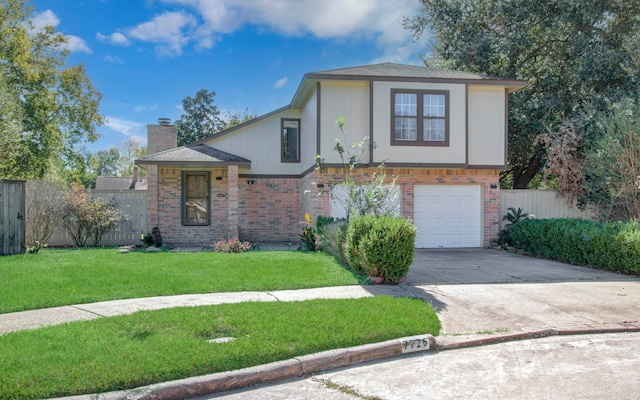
(195,164)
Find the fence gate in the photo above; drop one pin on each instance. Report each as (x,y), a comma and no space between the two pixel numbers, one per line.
(12,217)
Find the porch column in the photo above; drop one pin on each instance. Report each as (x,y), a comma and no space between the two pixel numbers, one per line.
(232,201)
(152,198)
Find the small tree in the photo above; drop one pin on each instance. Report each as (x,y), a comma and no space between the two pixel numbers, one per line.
(613,168)
(564,148)
(365,196)
(85,217)
(44,212)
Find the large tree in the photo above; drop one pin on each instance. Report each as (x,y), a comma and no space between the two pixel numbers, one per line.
(577,56)
(10,129)
(58,105)
(200,118)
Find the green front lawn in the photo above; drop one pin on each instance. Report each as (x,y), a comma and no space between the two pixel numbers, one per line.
(63,277)
(155,346)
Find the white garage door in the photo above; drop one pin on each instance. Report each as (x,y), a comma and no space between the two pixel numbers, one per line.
(448,215)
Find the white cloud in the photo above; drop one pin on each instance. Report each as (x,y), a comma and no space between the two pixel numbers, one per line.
(45,18)
(202,22)
(140,140)
(49,18)
(141,107)
(76,44)
(115,38)
(170,31)
(113,59)
(281,82)
(129,128)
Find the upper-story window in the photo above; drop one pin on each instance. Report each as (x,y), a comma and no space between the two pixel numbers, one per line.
(419,117)
(290,140)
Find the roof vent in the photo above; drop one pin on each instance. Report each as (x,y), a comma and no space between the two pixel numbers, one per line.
(164,121)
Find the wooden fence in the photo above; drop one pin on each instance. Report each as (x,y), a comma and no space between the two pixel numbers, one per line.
(132,202)
(12,217)
(541,203)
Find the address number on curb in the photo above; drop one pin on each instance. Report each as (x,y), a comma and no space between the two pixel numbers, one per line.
(413,345)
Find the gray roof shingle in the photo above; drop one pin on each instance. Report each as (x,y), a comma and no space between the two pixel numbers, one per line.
(392,70)
(200,154)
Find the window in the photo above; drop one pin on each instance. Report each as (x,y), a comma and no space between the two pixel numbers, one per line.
(290,140)
(419,117)
(195,198)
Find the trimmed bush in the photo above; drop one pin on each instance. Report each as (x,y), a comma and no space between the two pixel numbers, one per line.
(610,246)
(356,230)
(381,246)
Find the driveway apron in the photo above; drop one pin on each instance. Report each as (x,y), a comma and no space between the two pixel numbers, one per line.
(484,291)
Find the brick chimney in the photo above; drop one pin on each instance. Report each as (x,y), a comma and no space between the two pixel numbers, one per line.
(161,137)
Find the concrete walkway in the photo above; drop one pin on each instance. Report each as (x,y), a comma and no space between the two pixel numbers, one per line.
(33,319)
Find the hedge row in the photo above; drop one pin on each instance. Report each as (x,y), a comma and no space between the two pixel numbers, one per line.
(610,246)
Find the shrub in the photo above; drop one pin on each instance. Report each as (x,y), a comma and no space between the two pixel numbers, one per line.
(86,217)
(381,246)
(231,246)
(612,246)
(44,203)
(332,238)
(513,216)
(356,230)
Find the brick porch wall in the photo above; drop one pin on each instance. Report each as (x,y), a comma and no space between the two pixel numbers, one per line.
(269,209)
(170,210)
(409,177)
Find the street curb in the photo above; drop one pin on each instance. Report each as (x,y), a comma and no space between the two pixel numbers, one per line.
(272,372)
(512,337)
(326,360)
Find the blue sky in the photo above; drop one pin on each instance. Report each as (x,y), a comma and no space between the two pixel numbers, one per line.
(146,56)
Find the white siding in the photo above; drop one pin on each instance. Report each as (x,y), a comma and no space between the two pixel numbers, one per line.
(487,136)
(309,128)
(260,143)
(455,153)
(351,101)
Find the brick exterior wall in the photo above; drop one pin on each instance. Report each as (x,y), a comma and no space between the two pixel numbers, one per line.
(272,209)
(269,209)
(409,177)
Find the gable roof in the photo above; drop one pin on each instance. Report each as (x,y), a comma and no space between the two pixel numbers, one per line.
(120,183)
(387,70)
(195,155)
(399,72)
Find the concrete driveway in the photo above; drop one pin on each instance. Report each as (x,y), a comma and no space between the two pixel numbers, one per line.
(459,266)
(484,291)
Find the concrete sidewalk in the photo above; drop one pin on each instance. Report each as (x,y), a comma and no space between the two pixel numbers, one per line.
(33,319)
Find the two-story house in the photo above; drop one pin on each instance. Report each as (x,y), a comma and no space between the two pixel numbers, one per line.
(442,133)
